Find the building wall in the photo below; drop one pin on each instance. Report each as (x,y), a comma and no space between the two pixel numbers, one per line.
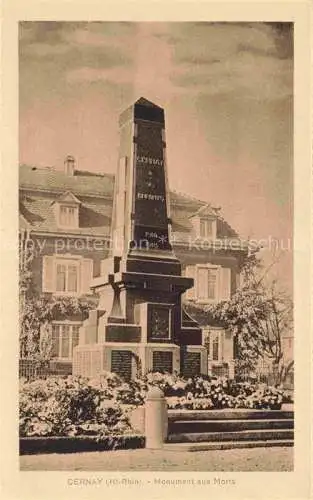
(60,246)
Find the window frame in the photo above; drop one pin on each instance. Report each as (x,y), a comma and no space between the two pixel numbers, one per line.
(207,234)
(67,261)
(67,206)
(201,222)
(215,334)
(70,325)
(206,299)
(216,344)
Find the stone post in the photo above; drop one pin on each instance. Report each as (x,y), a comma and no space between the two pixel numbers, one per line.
(156,422)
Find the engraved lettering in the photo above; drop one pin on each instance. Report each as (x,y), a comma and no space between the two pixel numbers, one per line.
(148,160)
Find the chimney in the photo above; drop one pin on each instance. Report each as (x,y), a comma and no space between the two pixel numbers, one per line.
(69,165)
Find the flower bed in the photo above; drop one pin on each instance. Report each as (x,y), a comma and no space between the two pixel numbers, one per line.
(74,406)
(69,406)
(205,393)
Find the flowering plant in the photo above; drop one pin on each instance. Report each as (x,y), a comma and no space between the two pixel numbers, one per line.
(204,392)
(75,405)
(68,406)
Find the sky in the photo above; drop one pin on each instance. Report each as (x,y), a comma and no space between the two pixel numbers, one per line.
(227,91)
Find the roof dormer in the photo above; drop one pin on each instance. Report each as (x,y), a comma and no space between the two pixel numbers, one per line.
(204,222)
(66,210)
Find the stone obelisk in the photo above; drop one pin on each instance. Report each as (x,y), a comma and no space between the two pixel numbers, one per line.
(139,324)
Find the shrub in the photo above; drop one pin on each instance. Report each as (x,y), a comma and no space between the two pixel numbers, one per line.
(204,392)
(114,388)
(83,443)
(68,406)
(189,403)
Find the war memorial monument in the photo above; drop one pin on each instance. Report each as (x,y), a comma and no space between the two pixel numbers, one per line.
(140,324)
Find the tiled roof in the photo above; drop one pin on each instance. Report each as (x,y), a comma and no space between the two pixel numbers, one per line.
(40,187)
(67,197)
(206,210)
(94,218)
(48,179)
(23,224)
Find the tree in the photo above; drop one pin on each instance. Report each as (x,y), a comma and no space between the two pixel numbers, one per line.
(258,315)
(28,321)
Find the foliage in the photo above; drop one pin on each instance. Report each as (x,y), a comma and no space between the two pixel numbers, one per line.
(71,406)
(115,388)
(38,312)
(258,315)
(80,443)
(198,392)
(201,392)
(68,406)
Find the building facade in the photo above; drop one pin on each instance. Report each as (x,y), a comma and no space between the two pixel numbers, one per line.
(67,215)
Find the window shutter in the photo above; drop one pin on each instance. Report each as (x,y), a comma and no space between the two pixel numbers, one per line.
(224,283)
(103,267)
(196,226)
(86,275)
(48,284)
(228,346)
(191,273)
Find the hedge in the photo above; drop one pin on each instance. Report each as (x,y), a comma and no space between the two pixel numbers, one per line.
(75,444)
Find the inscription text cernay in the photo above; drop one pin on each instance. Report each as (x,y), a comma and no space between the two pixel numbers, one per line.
(148,160)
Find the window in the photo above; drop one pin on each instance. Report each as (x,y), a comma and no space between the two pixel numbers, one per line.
(66,210)
(207,342)
(206,228)
(67,216)
(66,274)
(215,348)
(213,343)
(207,283)
(64,338)
(67,277)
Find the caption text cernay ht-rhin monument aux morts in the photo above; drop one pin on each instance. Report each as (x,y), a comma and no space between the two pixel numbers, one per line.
(140,324)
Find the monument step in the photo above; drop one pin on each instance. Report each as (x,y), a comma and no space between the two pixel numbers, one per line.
(191,426)
(226,445)
(243,435)
(229,414)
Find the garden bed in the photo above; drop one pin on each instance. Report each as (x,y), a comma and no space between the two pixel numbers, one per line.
(107,408)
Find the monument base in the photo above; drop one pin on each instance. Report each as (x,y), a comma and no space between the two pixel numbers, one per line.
(133,360)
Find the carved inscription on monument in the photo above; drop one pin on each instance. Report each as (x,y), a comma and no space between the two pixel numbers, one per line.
(162,361)
(192,364)
(151,222)
(121,363)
